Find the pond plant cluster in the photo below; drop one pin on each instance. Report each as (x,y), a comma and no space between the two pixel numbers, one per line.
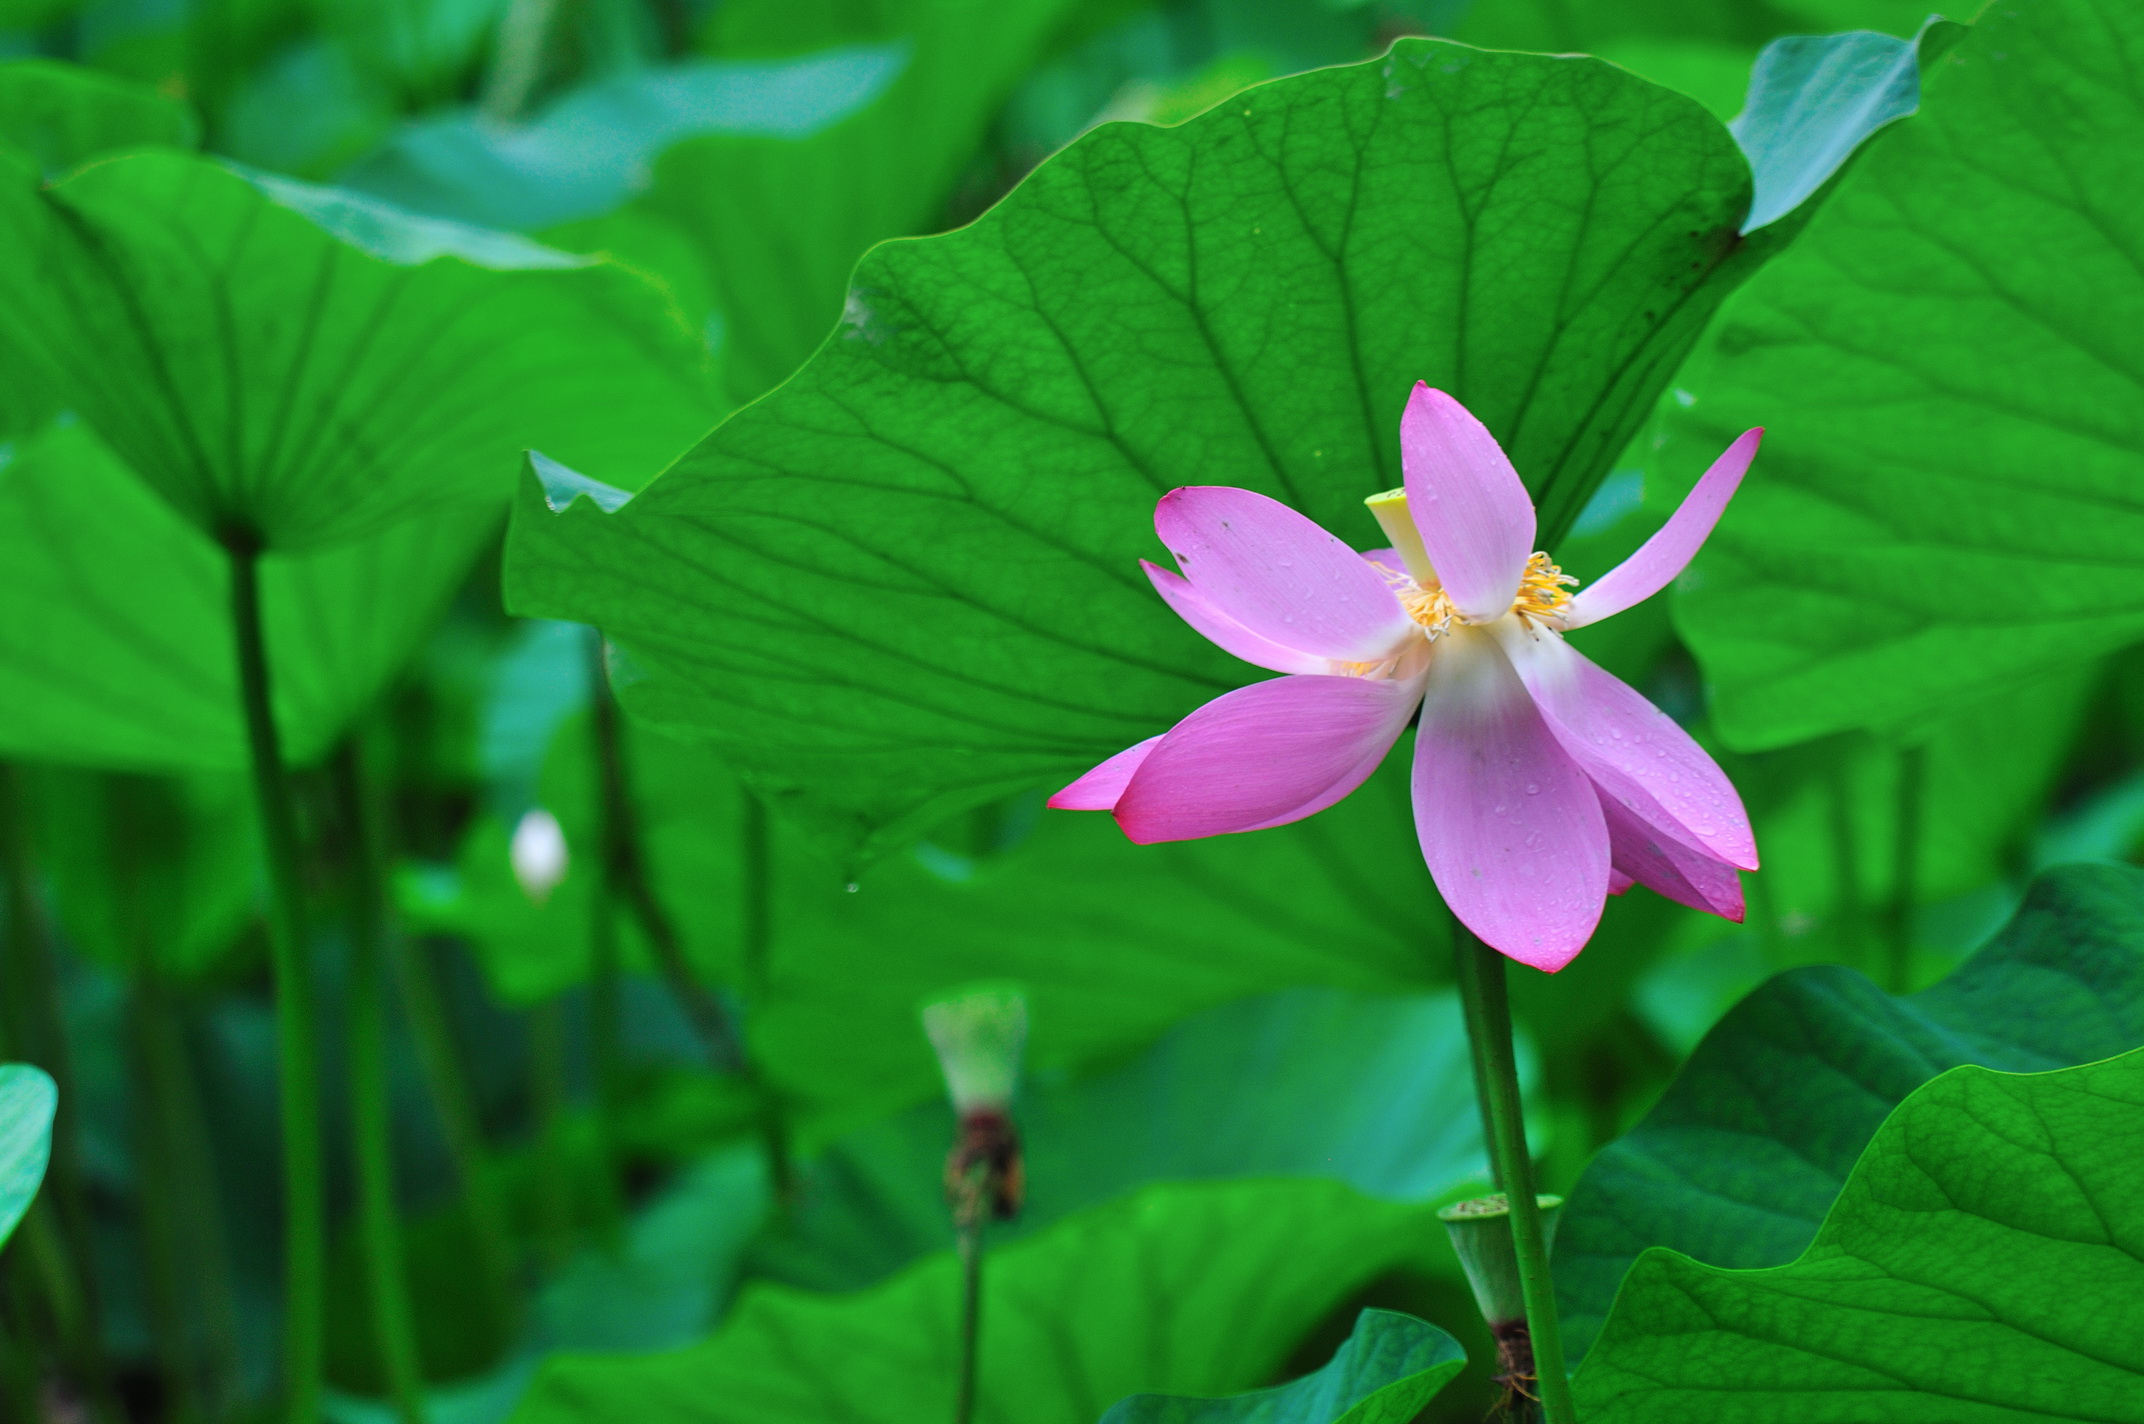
(937,712)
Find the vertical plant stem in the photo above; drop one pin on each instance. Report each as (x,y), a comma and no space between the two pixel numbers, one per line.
(626,873)
(159,1201)
(518,60)
(297,1037)
(455,1107)
(547,1089)
(1474,1009)
(1481,986)
(606,1052)
(971,1315)
(1905,865)
(756,938)
(372,1111)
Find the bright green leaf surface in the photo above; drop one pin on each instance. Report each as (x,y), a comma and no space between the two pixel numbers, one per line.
(315,367)
(1388,1369)
(1949,364)
(1197,1288)
(1983,1265)
(907,583)
(27,1100)
(62,114)
(115,619)
(1746,1152)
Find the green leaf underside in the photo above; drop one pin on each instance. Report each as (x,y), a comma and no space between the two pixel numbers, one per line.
(115,620)
(1751,1144)
(1983,1265)
(1197,1288)
(315,368)
(27,1100)
(1951,367)
(1389,1367)
(907,582)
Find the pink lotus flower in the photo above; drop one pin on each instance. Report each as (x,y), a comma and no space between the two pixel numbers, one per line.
(1542,784)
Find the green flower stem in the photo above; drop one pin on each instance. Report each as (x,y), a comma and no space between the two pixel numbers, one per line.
(455,1107)
(971,1314)
(1905,866)
(1488,1014)
(297,1037)
(372,1123)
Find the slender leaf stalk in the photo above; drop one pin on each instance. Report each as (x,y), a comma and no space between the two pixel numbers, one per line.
(424,1007)
(971,1315)
(1488,1010)
(372,1121)
(297,1036)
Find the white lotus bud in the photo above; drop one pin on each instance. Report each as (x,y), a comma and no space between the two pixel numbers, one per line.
(539,854)
(979,1034)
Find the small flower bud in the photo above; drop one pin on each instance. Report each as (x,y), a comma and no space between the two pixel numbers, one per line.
(539,854)
(979,1034)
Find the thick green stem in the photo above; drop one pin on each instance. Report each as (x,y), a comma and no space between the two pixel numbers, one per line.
(452,1103)
(971,1316)
(394,1325)
(1482,989)
(304,1199)
(1905,865)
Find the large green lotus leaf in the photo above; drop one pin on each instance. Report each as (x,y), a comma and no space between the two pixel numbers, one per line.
(1984,1263)
(27,1101)
(907,582)
(770,225)
(1741,1159)
(146,870)
(62,114)
(1371,1090)
(1388,1368)
(115,621)
(1948,364)
(1188,1288)
(313,367)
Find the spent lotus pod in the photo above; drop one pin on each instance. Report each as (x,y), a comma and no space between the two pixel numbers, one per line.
(979,1034)
(1542,783)
(538,853)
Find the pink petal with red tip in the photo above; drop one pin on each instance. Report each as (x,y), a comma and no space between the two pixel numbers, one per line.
(1279,575)
(1660,558)
(1632,748)
(1511,827)
(1264,755)
(1225,632)
(1654,857)
(1476,519)
(1100,788)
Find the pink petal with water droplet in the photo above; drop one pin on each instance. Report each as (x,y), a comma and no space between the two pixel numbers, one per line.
(1279,575)
(1225,632)
(1100,788)
(1660,558)
(1476,519)
(1265,755)
(1653,856)
(1511,827)
(1632,748)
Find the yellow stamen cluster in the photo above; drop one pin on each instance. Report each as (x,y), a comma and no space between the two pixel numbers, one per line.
(1544,589)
